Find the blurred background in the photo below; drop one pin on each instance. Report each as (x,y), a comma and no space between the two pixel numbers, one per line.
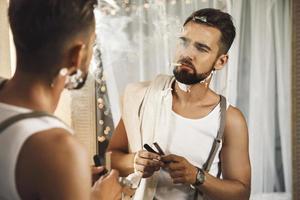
(136,41)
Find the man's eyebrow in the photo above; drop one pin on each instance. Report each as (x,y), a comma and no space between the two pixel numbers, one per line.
(183,38)
(201,45)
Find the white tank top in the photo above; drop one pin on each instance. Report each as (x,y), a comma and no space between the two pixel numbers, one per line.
(191,139)
(11,142)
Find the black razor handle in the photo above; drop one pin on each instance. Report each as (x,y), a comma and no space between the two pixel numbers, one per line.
(161,152)
(148,148)
(99,162)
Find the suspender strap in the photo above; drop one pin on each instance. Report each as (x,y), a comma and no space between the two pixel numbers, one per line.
(2,82)
(218,139)
(216,144)
(35,114)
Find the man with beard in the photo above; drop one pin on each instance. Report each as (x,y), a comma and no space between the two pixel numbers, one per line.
(39,158)
(203,140)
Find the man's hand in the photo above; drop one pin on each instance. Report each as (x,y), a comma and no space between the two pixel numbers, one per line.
(96,171)
(181,171)
(107,188)
(147,162)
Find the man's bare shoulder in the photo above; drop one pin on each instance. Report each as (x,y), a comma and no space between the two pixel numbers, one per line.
(235,126)
(52,159)
(234,116)
(56,148)
(56,139)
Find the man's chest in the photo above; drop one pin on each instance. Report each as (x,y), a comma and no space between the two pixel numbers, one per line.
(192,111)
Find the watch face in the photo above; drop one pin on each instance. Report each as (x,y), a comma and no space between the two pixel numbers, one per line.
(200,177)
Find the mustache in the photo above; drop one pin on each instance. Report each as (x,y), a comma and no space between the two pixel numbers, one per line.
(187,62)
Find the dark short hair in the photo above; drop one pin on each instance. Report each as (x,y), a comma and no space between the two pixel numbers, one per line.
(217,19)
(41,28)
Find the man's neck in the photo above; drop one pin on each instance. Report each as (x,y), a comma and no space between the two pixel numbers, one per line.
(196,93)
(26,91)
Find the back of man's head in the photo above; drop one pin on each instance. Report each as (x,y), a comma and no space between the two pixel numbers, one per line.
(42,28)
(217,19)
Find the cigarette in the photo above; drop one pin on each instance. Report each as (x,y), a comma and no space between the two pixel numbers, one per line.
(175,64)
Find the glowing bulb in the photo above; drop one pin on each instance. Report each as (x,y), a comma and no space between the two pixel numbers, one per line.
(103,89)
(101,106)
(113,12)
(101,138)
(146,5)
(100,100)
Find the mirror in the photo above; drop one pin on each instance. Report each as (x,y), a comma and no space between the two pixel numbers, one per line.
(137,43)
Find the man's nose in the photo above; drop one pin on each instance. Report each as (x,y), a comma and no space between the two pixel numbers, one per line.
(189,53)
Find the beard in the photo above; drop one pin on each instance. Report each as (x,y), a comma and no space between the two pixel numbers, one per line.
(186,77)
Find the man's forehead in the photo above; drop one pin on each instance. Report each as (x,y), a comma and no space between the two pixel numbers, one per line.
(201,32)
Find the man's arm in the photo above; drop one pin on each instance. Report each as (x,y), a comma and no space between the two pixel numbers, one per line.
(118,145)
(122,160)
(235,164)
(236,169)
(53,165)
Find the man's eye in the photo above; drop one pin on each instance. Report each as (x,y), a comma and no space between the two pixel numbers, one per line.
(201,49)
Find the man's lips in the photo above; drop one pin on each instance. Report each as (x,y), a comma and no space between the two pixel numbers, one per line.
(186,66)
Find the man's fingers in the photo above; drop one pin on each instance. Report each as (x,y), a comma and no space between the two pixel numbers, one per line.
(97,170)
(149,155)
(114,174)
(178,180)
(176,174)
(143,168)
(156,168)
(128,191)
(171,158)
(147,174)
(175,166)
(140,168)
(119,192)
(148,162)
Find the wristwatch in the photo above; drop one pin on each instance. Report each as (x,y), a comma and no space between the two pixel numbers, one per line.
(200,177)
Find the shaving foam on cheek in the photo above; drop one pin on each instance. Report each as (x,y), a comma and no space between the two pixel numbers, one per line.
(184,87)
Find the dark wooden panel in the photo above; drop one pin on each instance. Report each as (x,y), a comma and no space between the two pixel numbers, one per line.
(296,97)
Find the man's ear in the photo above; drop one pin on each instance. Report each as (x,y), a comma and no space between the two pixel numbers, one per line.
(76,55)
(221,62)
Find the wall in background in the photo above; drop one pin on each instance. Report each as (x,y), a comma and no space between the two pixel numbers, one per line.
(5,62)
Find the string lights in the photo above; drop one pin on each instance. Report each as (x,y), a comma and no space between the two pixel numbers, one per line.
(109,8)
